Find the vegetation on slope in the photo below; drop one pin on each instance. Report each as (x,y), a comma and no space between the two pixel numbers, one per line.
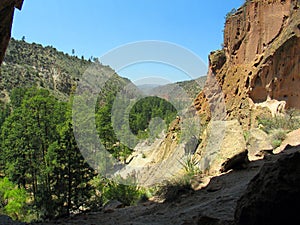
(40,162)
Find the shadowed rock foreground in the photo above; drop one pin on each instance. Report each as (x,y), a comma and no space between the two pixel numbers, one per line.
(266,192)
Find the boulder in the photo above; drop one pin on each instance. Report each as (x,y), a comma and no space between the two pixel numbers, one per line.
(258,141)
(273,195)
(221,140)
(237,162)
(112,205)
(292,139)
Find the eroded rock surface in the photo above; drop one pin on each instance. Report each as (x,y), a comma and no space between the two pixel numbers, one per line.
(221,140)
(260,59)
(292,139)
(258,140)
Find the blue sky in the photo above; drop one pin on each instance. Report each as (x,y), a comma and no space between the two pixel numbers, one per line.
(94,27)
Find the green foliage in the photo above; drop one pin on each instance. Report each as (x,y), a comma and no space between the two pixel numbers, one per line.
(38,150)
(28,65)
(123,190)
(279,126)
(246,135)
(171,190)
(105,128)
(146,109)
(277,137)
(12,199)
(229,14)
(140,117)
(288,122)
(191,166)
(4,113)
(127,194)
(39,153)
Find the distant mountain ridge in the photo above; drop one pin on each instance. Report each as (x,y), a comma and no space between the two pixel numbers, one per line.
(182,89)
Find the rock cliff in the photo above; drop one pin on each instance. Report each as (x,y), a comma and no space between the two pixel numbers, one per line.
(7,8)
(260,60)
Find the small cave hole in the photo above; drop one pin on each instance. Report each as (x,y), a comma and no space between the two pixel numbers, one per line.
(247,82)
(236,91)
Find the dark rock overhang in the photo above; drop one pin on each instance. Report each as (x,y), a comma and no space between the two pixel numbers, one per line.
(7,8)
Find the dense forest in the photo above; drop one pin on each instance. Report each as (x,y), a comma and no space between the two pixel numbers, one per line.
(43,173)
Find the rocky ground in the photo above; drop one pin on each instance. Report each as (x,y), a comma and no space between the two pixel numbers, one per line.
(228,198)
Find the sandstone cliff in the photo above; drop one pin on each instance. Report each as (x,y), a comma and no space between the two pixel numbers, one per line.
(260,60)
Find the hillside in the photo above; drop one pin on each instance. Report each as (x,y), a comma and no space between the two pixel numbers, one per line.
(27,65)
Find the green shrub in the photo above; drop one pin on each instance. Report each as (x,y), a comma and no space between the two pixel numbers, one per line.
(277,137)
(12,200)
(288,122)
(229,14)
(170,190)
(246,135)
(120,189)
(181,184)
(190,166)
(276,143)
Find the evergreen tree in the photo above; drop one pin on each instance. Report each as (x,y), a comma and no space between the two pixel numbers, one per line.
(70,172)
(39,152)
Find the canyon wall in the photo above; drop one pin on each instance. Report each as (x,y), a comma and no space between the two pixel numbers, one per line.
(260,60)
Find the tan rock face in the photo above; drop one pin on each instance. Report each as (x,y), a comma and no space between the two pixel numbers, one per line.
(292,139)
(258,140)
(262,60)
(253,28)
(221,140)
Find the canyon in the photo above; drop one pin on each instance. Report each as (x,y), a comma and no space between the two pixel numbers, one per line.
(244,179)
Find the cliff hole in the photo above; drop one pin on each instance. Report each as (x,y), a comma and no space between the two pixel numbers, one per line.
(247,82)
(236,91)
